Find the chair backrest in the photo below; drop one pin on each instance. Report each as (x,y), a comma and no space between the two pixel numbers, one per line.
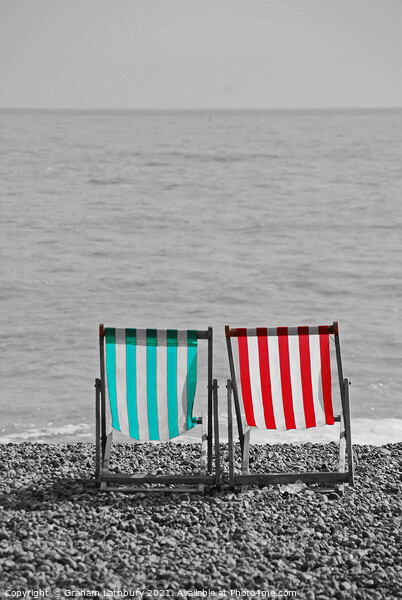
(285,375)
(151,377)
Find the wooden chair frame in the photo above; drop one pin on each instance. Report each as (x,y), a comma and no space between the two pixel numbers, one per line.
(125,482)
(339,477)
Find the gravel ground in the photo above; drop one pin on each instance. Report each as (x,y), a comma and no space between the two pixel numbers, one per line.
(58,532)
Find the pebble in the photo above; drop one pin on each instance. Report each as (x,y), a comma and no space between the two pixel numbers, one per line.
(58,531)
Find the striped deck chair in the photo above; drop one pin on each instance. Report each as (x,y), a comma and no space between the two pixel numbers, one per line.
(146,391)
(286,383)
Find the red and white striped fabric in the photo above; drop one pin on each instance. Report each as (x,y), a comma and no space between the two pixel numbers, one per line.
(285,377)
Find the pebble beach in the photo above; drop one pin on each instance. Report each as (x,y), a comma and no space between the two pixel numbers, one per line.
(61,536)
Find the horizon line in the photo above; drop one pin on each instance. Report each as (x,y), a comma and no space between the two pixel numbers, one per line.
(206,109)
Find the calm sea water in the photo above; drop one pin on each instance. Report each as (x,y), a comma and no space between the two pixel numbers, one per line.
(190,219)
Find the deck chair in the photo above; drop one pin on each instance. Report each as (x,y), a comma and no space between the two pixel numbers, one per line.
(286,383)
(146,391)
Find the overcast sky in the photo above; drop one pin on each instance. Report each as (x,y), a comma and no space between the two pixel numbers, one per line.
(200,53)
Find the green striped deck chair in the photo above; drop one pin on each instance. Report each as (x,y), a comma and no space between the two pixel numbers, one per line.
(286,378)
(146,391)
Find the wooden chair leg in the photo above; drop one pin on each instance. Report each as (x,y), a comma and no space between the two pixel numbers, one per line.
(348,433)
(246,457)
(216,437)
(210,398)
(204,444)
(209,438)
(342,445)
(97,432)
(106,457)
(207,427)
(204,450)
(230,433)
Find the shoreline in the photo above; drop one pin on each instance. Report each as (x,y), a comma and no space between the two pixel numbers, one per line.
(58,531)
(365,431)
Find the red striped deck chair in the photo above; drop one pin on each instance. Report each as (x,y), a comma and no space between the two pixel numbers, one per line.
(286,382)
(146,391)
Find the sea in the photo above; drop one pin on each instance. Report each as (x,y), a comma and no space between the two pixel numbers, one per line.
(190,219)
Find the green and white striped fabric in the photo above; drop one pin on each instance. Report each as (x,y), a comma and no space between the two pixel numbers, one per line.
(151,381)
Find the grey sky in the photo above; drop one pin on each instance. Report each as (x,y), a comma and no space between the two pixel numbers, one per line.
(200,53)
